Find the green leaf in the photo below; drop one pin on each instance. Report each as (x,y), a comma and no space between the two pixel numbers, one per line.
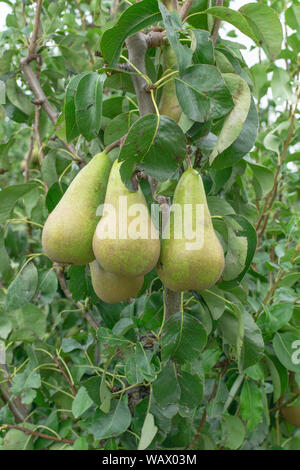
(215,301)
(172,23)
(236,18)
(233,123)
(105,396)
(118,127)
(10,195)
(153,311)
(233,432)
(81,402)
(237,248)
(243,144)
(17,97)
(26,380)
(54,195)
(275,378)
(262,175)
(204,52)
(133,19)
(5,327)
(292,16)
(248,231)
(265,23)
(72,130)
(251,404)
(191,387)
(88,104)
(287,349)
(23,288)
(232,327)
(148,432)
(29,323)
(77,282)
(148,139)
(253,345)
(5,267)
(202,93)
(47,287)
(81,443)
(183,339)
(113,423)
(166,388)
(282,90)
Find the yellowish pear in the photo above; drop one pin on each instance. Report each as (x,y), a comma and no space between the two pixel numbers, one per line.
(68,231)
(191,257)
(112,288)
(126,241)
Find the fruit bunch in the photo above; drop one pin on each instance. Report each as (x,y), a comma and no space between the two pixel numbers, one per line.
(75,233)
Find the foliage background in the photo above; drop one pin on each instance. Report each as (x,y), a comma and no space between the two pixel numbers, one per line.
(79,373)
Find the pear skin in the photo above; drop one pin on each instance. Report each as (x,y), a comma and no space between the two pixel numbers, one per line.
(184,263)
(117,246)
(169,105)
(68,232)
(291,414)
(111,288)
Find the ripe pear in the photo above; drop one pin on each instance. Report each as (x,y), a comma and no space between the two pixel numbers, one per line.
(169,105)
(112,288)
(68,232)
(189,261)
(126,241)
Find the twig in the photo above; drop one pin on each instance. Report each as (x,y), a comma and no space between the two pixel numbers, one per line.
(216,26)
(28,158)
(32,80)
(55,359)
(37,434)
(32,45)
(15,405)
(116,143)
(62,282)
(184,10)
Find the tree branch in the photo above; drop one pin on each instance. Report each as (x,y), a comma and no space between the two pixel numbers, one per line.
(62,282)
(33,81)
(137,47)
(37,434)
(216,26)
(184,10)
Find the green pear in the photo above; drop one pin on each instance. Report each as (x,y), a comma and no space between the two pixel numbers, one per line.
(126,241)
(191,258)
(68,231)
(112,288)
(169,105)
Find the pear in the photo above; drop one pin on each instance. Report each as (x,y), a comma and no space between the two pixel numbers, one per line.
(191,257)
(126,241)
(169,105)
(291,414)
(112,288)
(68,232)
